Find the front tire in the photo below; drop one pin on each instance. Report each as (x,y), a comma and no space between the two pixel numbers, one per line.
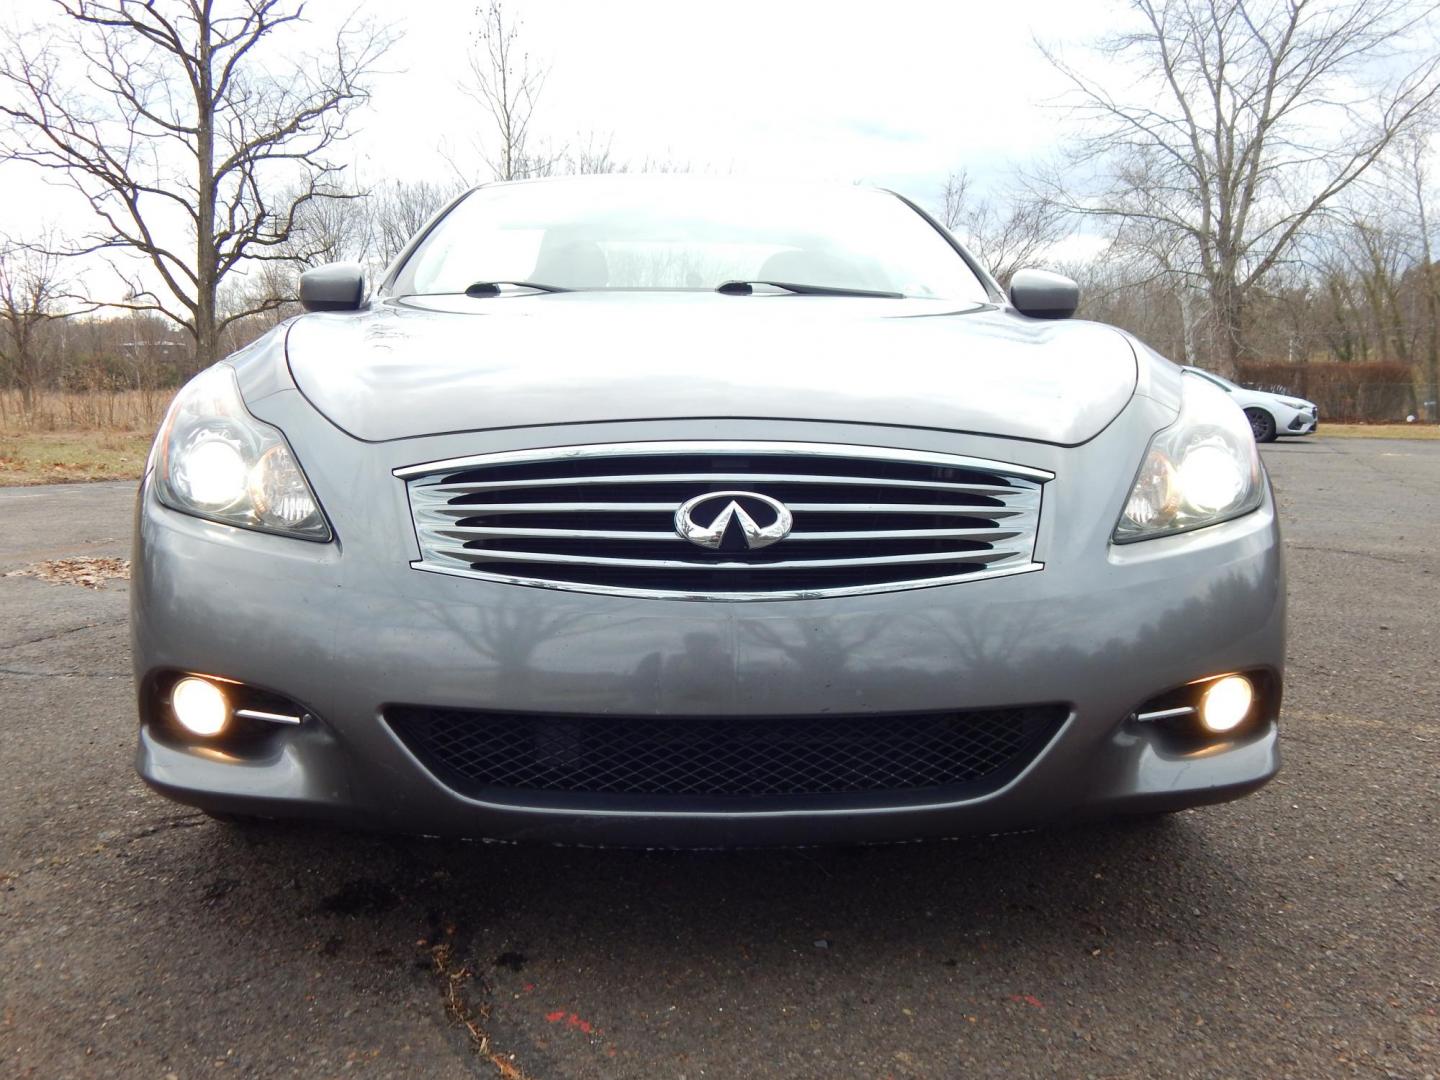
(1262,425)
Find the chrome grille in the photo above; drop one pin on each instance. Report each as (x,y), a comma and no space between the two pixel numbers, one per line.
(603,518)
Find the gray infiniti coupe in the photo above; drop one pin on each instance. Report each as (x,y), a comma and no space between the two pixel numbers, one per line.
(690,512)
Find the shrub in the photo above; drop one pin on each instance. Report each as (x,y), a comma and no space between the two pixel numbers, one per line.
(1360,393)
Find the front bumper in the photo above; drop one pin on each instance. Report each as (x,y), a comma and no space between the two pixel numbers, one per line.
(1304,422)
(346,629)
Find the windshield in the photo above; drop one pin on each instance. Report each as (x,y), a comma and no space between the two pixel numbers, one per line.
(685,233)
(1223,383)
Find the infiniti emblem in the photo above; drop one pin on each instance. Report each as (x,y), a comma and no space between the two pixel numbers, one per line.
(733,521)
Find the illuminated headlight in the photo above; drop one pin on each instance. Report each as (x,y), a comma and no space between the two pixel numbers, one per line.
(1202,469)
(213,459)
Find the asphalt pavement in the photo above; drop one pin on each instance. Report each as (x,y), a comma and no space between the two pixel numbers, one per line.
(1292,934)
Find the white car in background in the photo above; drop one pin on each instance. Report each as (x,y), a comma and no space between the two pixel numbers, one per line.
(1270,415)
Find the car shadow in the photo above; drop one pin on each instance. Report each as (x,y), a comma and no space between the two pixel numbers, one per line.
(1094,886)
(568,957)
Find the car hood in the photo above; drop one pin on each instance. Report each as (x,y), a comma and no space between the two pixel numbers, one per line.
(423,366)
(1290,401)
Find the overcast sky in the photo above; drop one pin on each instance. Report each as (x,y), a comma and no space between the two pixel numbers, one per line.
(896,94)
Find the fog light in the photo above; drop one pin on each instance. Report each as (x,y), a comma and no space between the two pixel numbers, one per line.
(200,706)
(1226,703)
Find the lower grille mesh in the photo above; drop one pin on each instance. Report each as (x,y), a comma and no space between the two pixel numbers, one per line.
(477,752)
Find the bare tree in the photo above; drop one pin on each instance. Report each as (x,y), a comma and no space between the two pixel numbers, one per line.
(1338,312)
(954,195)
(507,84)
(593,157)
(185,126)
(1379,251)
(1239,122)
(1162,260)
(1414,155)
(369,228)
(330,227)
(32,294)
(396,211)
(1005,234)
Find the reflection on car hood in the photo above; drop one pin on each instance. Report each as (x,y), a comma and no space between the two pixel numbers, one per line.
(1293,401)
(441,364)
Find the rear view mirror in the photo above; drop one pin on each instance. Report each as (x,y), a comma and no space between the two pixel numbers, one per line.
(333,287)
(1043,295)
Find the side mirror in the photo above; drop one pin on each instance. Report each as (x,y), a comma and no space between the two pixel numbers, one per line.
(1043,295)
(333,287)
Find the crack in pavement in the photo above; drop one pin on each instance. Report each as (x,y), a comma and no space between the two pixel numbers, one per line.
(182,821)
(1346,551)
(460,1008)
(66,674)
(62,633)
(101,843)
(444,939)
(1318,719)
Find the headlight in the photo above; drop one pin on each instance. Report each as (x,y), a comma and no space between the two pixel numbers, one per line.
(214,460)
(1294,404)
(1202,469)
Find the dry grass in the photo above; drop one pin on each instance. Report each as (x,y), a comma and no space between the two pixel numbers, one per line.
(69,411)
(69,437)
(1379,431)
(63,457)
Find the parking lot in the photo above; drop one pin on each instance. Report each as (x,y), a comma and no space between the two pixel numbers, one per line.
(1294,933)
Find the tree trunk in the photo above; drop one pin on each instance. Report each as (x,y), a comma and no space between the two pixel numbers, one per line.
(206,260)
(1229,308)
(26,368)
(23,367)
(1187,324)
(207,344)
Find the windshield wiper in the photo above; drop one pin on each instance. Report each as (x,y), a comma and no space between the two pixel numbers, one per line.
(494,288)
(746,288)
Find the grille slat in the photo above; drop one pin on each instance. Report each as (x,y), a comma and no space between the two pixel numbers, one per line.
(602,518)
(462,532)
(752,563)
(758,759)
(713,478)
(464,510)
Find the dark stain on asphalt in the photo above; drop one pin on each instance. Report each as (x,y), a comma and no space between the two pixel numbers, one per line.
(511,961)
(361,897)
